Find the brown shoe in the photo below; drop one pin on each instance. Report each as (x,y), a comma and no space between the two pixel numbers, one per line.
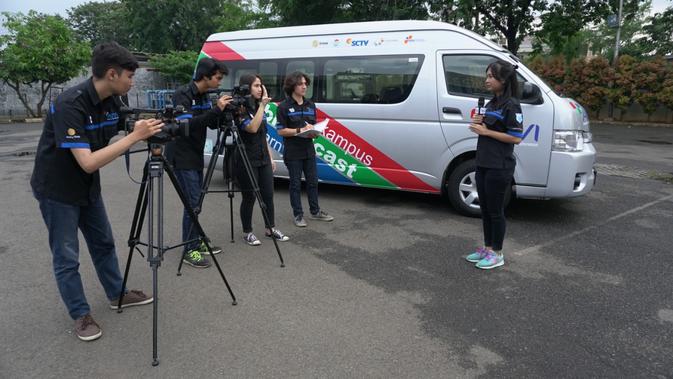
(87,329)
(131,298)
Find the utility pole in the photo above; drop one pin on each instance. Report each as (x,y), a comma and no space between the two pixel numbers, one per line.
(619,30)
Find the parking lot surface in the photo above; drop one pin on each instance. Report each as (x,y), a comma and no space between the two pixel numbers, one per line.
(383,291)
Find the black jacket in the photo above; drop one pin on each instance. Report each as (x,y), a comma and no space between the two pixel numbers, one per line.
(292,115)
(502,116)
(186,153)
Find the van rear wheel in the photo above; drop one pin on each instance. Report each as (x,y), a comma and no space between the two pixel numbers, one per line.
(461,188)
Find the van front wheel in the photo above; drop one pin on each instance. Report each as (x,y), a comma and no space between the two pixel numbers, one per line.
(461,188)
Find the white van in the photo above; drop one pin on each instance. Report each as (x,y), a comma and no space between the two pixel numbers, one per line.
(399,97)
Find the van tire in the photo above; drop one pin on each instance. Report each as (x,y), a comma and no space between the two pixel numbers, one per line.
(460,196)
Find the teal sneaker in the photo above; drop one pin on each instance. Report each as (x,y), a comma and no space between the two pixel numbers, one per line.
(492,260)
(478,255)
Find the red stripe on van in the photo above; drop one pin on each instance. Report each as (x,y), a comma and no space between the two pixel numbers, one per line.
(220,51)
(384,166)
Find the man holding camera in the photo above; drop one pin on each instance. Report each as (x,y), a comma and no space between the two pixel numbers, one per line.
(186,153)
(66,181)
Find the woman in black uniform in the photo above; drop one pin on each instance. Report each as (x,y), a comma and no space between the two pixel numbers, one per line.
(253,134)
(499,129)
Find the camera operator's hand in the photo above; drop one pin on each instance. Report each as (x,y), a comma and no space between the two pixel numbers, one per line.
(144,129)
(223,101)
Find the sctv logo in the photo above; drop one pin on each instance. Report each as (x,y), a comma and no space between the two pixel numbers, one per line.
(360,42)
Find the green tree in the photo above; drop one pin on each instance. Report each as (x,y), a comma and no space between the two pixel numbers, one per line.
(174,25)
(175,66)
(602,39)
(39,49)
(98,22)
(299,12)
(514,19)
(367,10)
(296,12)
(659,33)
(562,26)
(463,13)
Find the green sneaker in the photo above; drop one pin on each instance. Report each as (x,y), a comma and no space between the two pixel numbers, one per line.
(195,259)
(204,250)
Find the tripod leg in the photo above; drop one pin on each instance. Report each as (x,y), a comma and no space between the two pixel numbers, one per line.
(255,185)
(228,166)
(155,314)
(134,235)
(195,223)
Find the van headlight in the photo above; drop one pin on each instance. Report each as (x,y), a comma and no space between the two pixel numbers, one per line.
(568,140)
(588,137)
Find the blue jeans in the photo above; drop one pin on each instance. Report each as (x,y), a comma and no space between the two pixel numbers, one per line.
(190,183)
(62,222)
(310,169)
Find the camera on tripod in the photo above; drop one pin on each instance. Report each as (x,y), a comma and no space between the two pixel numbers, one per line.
(176,122)
(240,97)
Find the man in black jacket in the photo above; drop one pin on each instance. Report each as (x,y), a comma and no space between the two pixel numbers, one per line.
(186,153)
(74,145)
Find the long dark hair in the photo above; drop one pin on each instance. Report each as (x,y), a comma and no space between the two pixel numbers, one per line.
(505,73)
(292,80)
(248,79)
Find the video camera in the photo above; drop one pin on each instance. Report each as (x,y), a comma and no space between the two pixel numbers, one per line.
(176,121)
(240,97)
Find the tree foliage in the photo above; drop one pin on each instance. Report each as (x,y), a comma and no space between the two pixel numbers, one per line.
(514,19)
(98,22)
(658,33)
(39,49)
(175,66)
(588,81)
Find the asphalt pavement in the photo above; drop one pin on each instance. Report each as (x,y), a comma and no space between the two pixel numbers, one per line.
(383,291)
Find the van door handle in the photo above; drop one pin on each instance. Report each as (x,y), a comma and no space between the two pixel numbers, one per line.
(451,110)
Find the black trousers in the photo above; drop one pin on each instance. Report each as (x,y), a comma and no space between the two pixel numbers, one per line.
(264,177)
(491,186)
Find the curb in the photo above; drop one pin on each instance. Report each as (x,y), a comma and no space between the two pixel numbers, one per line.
(625,123)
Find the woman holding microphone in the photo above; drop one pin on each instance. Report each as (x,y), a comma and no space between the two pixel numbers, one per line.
(499,129)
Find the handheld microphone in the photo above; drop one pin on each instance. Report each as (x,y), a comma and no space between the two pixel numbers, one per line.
(480,105)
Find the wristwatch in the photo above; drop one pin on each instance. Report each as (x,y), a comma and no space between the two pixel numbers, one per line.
(298,130)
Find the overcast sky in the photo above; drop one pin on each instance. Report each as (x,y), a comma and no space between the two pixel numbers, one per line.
(60,6)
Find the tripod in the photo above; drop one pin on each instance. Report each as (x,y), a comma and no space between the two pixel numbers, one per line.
(227,127)
(153,175)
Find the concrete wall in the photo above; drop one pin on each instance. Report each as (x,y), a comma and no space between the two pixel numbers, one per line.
(10,105)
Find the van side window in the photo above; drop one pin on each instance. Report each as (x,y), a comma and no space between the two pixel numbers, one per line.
(465,75)
(305,66)
(269,73)
(372,80)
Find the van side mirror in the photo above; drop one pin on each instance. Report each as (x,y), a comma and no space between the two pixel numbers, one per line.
(531,94)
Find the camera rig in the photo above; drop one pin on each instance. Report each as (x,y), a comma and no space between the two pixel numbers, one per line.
(175,119)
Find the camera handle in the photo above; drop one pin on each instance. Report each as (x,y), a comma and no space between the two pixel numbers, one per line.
(147,196)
